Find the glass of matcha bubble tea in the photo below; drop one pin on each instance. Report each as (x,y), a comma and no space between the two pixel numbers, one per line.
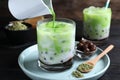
(56,42)
(96,23)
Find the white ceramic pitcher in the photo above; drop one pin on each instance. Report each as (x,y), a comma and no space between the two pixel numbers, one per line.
(22,9)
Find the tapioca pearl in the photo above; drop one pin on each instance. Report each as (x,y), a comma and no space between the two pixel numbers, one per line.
(90,30)
(96,30)
(62,51)
(55,54)
(51,58)
(97,34)
(100,35)
(61,61)
(41,52)
(45,58)
(46,52)
(63,41)
(103,31)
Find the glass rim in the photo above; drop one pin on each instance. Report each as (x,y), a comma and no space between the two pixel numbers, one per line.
(57,19)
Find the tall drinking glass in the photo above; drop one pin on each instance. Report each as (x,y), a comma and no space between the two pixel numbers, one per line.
(97,24)
(56,43)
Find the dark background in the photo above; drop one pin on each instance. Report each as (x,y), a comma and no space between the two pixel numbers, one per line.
(73,8)
(9,69)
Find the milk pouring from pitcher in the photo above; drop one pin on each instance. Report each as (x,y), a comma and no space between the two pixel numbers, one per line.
(23,9)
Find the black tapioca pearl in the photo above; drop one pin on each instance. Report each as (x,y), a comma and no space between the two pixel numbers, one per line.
(96,33)
(46,52)
(55,53)
(100,35)
(103,31)
(51,58)
(62,51)
(61,61)
(41,52)
(90,30)
(63,41)
(96,30)
(44,58)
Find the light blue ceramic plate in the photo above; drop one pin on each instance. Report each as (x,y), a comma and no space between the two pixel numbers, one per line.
(28,63)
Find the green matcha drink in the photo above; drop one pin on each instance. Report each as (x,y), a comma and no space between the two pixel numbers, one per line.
(56,44)
(96,23)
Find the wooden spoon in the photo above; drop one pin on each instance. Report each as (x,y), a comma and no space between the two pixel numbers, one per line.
(89,65)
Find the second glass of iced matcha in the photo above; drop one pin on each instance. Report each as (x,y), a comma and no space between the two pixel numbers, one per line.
(97,24)
(56,43)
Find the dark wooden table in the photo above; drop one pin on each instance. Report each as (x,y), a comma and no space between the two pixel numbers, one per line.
(10,70)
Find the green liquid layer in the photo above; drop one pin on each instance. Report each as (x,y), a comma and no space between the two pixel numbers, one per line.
(57,39)
(97,22)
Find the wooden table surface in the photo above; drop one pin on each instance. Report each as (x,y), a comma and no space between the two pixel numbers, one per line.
(10,70)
